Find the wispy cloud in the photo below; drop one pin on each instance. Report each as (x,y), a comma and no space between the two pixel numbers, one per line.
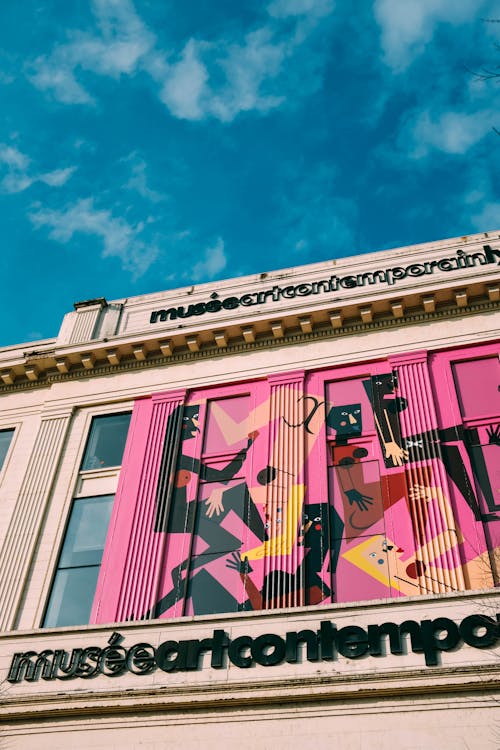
(184,88)
(224,78)
(138,180)
(310,8)
(407,27)
(214,261)
(116,50)
(451,132)
(19,175)
(119,238)
(218,78)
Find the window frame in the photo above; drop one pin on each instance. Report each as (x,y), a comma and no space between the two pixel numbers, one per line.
(61,552)
(14,428)
(72,484)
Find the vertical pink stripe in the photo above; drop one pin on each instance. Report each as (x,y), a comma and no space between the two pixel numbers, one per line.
(133,554)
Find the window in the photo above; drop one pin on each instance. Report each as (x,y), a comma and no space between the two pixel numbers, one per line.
(106,441)
(5,440)
(75,581)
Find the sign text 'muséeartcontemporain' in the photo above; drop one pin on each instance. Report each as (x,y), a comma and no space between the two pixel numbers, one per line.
(427,637)
(389,276)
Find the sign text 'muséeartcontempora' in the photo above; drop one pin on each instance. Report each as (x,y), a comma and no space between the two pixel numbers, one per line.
(427,637)
(389,276)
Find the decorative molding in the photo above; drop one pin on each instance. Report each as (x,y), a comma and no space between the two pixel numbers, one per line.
(189,347)
(26,521)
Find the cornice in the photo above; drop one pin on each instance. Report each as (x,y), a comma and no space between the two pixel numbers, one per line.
(438,683)
(99,358)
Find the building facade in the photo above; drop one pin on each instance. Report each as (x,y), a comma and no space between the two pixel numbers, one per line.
(263,511)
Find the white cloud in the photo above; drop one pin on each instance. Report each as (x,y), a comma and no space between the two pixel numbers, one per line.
(10,156)
(119,238)
(185,84)
(56,76)
(116,51)
(219,78)
(407,26)
(247,68)
(240,69)
(15,182)
(138,180)
(450,132)
(214,261)
(19,177)
(286,8)
(57,177)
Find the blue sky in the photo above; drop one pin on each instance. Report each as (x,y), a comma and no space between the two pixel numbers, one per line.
(152,144)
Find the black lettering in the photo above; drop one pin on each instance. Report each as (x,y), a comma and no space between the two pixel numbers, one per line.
(375,633)
(187,313)
(199,309)
(21,666)
(113,659)
(348,282)
(261,653)
(293,640)
(235,649)
(213,306)
(318,286)
(492,254)
(416,269)
(445,265)
(230,303)
(303,290)
(469,627)
(88,665)
(163,315)
(429,267)
(248,299)
(352,642)
(164,654)
(395,274)
(69,670)
(432,644)
(220,641)
(141,659)
(371,277)
(327,638)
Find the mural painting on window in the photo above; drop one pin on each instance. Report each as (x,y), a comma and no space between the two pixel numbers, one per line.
(358,483)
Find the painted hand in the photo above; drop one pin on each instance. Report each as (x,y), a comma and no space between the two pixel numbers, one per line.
(241,565)
(396,453)
(493,434)
(214,503)
(362,501)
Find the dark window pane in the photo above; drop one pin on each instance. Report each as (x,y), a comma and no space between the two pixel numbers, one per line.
(86,532)
(72,596)
(106,441)
(5,438)
(73,590)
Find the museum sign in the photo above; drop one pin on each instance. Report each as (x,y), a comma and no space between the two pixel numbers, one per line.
(427,637)
(389,276)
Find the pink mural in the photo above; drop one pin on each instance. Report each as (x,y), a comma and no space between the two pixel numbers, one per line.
(370,481)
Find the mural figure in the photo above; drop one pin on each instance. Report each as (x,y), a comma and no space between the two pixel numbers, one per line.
(184,516)
(447,444)
(320,535)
